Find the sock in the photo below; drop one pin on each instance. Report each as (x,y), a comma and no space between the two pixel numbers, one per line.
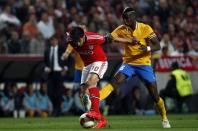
(106,91)
(94,97)
(161,109)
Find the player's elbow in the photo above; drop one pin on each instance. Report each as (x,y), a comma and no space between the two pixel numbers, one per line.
(158,47)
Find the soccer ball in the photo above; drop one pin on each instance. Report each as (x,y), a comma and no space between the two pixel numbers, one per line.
(86,122)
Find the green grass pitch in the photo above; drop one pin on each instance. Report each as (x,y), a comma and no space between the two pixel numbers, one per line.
(117,123)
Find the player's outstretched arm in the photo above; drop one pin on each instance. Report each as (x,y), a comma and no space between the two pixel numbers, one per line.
(123,40)
(109,38)
(67,52)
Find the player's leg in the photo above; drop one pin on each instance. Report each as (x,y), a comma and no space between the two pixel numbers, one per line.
(146,73)
(91,75)
(84,94)
(95,100)
(122,74)
(117,80)
(97,72)
(91,85)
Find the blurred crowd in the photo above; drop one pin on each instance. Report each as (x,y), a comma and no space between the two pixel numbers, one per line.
(26,25)
(33,100)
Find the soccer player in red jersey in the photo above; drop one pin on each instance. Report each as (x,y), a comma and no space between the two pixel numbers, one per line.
(88,45)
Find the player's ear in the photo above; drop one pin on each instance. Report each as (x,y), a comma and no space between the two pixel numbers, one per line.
(67,37)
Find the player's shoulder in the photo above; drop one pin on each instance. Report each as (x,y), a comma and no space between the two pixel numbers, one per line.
(142,25)
(120,27)
(91,33)
(93,36)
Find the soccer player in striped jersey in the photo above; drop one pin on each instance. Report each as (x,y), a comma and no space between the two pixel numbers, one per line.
(137,59)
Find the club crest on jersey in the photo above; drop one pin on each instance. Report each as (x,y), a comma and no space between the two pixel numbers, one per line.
(90,47)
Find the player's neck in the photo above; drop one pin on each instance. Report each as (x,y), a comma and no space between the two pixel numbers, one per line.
(133,25)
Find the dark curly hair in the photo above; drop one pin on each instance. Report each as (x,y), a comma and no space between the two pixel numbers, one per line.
(76,33)
(127,12)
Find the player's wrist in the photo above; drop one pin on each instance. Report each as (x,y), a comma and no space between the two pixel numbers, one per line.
(148,48)
(67,52)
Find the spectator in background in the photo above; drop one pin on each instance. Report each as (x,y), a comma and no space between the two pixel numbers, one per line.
(37,45)
(75,22)
(166,42)
(55,68)
(7,99)
(60,33)
(31,26)
(163,12)
(179,50)
(194,51)
(179,86)
(3,46)
(67,103)
(13,44)
(7,17)
(103,16)
(46,25)
(43,102)
(22,10)
(25,43)
(164,52)
(30,102)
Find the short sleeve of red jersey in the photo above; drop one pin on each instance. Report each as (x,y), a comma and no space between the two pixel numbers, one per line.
(95,38)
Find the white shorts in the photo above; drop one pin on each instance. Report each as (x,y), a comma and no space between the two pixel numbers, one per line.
(99,68)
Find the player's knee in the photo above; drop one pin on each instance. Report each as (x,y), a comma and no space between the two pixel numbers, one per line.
(152,88)
(91,82)
(149,83)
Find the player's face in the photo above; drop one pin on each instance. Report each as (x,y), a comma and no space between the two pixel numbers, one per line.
(130,19)
(54,42)
(81,41)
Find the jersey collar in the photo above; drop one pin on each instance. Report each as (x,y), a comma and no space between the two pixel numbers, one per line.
(136,26)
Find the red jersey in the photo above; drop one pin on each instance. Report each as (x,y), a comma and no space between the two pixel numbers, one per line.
(91,51)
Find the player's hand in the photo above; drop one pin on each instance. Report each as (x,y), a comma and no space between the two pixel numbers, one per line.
(143,48)
(65,56)
(135,40)
(64,71)
(47,69)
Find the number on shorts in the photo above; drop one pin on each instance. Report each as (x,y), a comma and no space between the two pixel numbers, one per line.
(95,68)
(122,67)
